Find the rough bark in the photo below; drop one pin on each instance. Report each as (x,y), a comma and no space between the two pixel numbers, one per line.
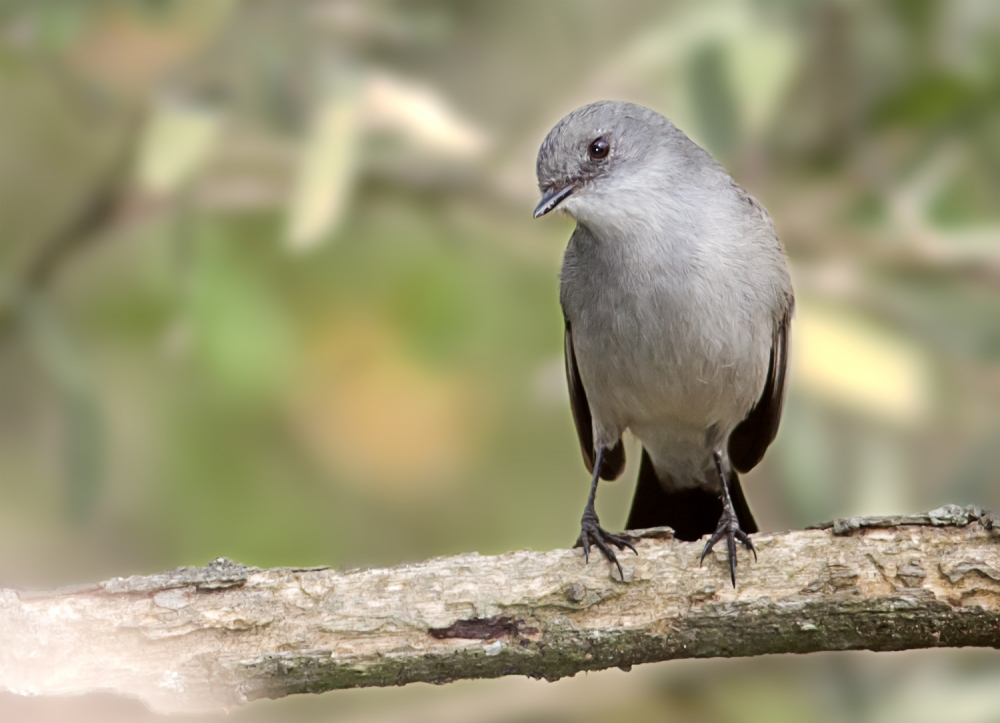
(204,638)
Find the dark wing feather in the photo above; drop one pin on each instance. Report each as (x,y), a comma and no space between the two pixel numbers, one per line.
(751,438)
(613,463)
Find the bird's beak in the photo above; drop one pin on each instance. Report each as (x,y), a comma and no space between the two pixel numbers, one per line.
(551,199)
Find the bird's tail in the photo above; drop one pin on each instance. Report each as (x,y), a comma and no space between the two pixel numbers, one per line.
(692,512)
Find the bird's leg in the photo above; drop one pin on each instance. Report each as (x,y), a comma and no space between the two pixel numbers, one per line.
(590,527)
(729,525)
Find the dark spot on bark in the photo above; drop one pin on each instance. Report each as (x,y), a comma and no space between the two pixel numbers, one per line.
(911,574)
(834,579)
(576,592)
(703,595)
(955,572)
(483,629)
(988,521)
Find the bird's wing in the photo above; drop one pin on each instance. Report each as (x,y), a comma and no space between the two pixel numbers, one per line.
(613,463)
(754,434)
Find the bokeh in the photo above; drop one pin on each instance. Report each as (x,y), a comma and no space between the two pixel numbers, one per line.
(270,289)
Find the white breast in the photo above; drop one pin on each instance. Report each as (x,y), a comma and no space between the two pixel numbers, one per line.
(672,334)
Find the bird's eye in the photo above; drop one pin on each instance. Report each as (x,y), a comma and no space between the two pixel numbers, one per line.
(599,148)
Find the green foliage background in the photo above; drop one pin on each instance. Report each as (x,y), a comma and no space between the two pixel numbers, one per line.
(187,373)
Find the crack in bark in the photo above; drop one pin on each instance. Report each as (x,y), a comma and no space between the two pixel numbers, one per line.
(497,626)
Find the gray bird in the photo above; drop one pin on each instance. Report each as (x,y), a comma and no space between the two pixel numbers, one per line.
(677,304)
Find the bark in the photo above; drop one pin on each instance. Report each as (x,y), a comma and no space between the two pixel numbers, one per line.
(196,639)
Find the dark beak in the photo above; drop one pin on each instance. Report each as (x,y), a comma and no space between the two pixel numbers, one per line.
(551,199)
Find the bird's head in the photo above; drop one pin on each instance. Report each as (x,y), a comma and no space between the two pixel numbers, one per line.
(597,156)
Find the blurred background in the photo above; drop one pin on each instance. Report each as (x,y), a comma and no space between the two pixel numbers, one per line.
(270,289)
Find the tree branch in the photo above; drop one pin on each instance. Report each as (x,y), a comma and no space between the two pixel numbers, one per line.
(202,638)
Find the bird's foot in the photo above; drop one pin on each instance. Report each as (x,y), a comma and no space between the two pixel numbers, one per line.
(591,532)
(729,527)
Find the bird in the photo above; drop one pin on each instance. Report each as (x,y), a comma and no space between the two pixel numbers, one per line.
(677,304)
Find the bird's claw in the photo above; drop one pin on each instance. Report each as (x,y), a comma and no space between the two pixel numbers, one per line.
(729,527)
(592,532)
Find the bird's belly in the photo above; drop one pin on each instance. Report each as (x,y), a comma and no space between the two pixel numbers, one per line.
(631,389)
(657,371)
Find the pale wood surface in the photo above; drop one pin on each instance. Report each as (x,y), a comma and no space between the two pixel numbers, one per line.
(197,639)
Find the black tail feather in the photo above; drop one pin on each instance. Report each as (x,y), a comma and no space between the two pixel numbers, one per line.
(692,512)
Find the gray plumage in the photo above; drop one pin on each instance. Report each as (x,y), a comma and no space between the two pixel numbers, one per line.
(675,293)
